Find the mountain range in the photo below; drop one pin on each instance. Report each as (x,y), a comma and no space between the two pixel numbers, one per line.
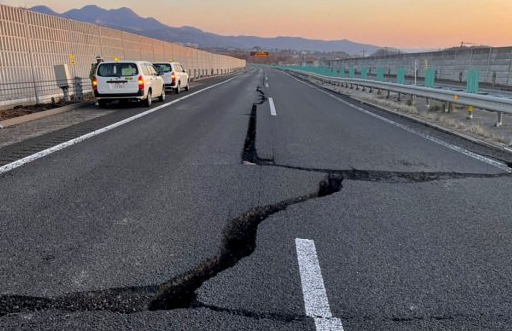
(127,20)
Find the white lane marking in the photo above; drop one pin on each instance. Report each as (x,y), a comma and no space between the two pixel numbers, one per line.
(328,324)
(497,164)
(313,288)
(272,107)
(11,166)
(266,85)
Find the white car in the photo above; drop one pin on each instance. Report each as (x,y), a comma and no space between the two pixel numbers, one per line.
(127,80)
(175,76)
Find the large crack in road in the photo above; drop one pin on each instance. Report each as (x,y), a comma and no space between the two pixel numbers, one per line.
(238,241)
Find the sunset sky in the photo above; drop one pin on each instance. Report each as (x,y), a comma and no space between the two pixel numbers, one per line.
(399,23)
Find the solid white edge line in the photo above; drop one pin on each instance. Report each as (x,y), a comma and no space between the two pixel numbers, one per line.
(272,106)
(459,149)
(16,164)
(313,288)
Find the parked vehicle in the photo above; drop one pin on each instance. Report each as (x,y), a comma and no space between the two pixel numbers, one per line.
(175,76)
(127,80)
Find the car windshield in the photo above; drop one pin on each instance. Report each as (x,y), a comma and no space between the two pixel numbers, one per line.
(162,67)
(117,70)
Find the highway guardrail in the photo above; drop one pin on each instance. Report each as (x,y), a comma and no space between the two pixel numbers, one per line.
(481,101)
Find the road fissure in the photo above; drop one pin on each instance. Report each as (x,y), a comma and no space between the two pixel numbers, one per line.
(239,241)
(250,153)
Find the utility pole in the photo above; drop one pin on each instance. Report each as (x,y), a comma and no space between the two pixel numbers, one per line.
(364,53)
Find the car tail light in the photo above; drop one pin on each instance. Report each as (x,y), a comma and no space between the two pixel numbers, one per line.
(141,83)
(95,83)
(173,77)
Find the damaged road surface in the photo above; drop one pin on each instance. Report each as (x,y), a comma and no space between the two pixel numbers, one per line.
(189,218)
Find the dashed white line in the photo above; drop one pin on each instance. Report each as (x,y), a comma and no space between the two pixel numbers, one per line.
(266,85)
(273,111)
(497,164)
(313,288)
(11,166)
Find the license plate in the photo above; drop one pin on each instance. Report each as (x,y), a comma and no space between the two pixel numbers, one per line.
(116,85)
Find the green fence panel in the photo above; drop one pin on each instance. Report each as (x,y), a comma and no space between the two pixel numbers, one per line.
(473,81)
(430,77)
(380,74)
(400,76)
(352,72)
(342,72)
(364,73)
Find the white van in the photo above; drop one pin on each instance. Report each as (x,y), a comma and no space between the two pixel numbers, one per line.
(127,80)
(175,76)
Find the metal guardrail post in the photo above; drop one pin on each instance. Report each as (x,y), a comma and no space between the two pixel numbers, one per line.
(447,107)
(500,119)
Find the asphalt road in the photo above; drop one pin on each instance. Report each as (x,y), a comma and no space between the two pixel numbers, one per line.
(258,204)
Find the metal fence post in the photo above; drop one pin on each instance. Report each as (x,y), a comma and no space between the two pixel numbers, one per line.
(30,55)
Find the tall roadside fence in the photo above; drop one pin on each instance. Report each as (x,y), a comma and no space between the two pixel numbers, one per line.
(493,64)
(31,44)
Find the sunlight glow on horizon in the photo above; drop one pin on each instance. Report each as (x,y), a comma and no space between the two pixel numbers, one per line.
(392,23)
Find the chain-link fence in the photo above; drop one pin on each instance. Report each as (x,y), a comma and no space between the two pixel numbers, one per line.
(41,92)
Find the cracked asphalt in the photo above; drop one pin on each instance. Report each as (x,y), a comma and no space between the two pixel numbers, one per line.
(186,219)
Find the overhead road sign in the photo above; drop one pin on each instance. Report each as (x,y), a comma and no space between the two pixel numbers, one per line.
(259,54)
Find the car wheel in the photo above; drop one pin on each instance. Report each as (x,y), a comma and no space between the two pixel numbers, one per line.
(162,96)
(178,88)
(149,100)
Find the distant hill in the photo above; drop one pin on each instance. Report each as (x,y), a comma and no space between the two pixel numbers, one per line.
(127,20)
